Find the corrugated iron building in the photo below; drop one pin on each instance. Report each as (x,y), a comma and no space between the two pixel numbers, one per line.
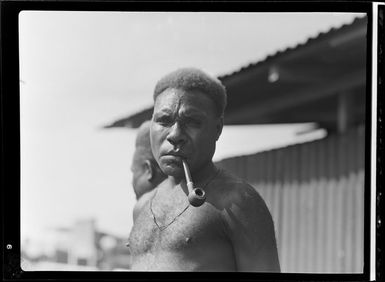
(315,193)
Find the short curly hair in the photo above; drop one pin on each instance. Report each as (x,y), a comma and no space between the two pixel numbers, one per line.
(195,79)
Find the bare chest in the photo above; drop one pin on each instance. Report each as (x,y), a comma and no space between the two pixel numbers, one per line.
(193,229)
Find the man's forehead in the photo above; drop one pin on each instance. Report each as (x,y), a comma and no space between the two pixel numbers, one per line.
(188,100)
(183,108)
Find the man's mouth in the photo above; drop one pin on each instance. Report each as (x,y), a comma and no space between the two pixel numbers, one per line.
(176,154)
(172,156)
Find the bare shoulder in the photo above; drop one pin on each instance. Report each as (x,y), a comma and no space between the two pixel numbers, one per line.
(234,192)
(248,225)
(142,202)
(241,204)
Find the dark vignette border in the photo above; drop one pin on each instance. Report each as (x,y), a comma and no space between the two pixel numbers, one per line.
(10,129)
(380,251)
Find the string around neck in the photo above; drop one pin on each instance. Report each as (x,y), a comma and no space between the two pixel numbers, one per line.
(163,227)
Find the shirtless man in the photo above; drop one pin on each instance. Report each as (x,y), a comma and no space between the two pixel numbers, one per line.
(145,170)
(233,229)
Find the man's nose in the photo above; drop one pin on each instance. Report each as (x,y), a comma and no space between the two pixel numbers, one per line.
(176,135)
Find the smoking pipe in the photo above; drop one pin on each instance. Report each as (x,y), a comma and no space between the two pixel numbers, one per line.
(196,196)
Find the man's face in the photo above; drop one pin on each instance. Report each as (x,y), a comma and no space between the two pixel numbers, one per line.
(140,181)
(184,126)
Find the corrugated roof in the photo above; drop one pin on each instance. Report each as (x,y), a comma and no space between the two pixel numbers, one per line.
(311,40)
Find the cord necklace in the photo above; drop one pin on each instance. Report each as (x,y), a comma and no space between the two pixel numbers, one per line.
(163,227)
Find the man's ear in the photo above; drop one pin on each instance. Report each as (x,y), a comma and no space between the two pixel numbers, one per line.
(219,128)
(149,170)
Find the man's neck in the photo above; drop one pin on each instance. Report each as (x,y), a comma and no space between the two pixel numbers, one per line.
(201,176)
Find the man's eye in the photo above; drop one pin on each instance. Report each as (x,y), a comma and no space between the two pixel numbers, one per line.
(193,122)
(164,120)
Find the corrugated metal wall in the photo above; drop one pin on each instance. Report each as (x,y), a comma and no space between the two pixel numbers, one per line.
(315,193)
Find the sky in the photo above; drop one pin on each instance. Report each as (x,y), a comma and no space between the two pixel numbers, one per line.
(82,70)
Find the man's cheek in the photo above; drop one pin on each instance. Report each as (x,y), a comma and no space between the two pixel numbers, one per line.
(155,147)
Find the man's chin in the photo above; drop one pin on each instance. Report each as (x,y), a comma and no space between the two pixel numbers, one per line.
(172,169)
